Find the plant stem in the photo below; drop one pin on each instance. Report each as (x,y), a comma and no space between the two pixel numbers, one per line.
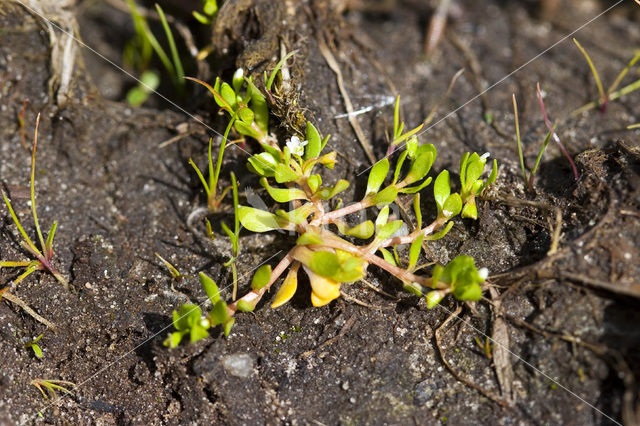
(213,183)
(515,114)
(254,296)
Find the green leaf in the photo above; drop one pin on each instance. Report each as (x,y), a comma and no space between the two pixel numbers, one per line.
(246,129)
(328,160)
(327,193)
(417,210)
(325,263)
(283,195)
(471,292)
(492,177)
(377,176)
(414,252)
(237,80)
(198,333)
(309,238)
(261,277)
(36,350)
(314,145)
(399,164)
(256,220)
(229,95)
(210,287)
(423,149)
(386,196)
(314,182)
(474,170)
(441,233)
(441,189)
(284,174)
(419,168)
(297,216)
(434,297)
(228,325)
(435,275)
(382,217)
(173,340)
(218,313)
(246,115)
(387,256)
(462,275)
(470,210)
(463,168)
(389,229)
(263,164)
(413,288)
(244,306)
(452,206)
(259,107)
(363,230)
(186,316)
(418,188)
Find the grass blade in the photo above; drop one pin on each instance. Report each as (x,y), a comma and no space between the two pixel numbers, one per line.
(596,76)
(555,136)
(515,114)
(172,46)
(624,72)
(33,184)
(277,68)
(27,240)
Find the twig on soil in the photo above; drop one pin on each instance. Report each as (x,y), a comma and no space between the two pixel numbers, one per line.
(359,302)
(377,290)
(333,64)
(347,325)
(15,299)
(501,355)
(441,350)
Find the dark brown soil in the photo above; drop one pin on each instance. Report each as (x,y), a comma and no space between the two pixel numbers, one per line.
(569,319)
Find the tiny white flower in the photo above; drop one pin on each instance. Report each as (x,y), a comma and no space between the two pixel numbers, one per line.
(484,156)
(483,272)
(296,146)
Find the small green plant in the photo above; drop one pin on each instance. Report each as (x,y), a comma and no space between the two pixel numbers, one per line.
(528,181)
(188,319)
(139,51)
(553,133)
(249,117)
(326,248)
(49,387)
(33,345)
(209,12)
(42,257)
(611,93)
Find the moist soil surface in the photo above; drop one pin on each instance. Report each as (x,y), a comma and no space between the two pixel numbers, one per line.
(561,303)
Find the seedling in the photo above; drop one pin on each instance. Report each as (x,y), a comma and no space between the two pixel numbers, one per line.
(33,345)
(610,94)
(249,116)
(44,255)
(49,387)
(209,12)
(325,249)
(138,53)
(188,320)
(554,135)
(527,180)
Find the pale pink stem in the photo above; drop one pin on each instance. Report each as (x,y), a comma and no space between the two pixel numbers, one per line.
(554,135)
(254,296)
